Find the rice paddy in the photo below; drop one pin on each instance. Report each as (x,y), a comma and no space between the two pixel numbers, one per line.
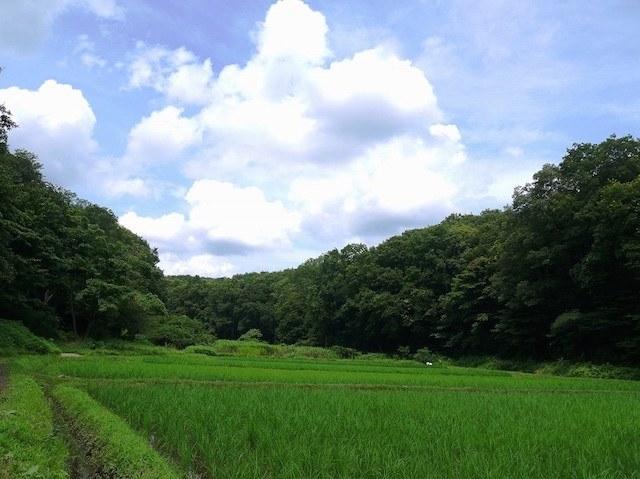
(232,417)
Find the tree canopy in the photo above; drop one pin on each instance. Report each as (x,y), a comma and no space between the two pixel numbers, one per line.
(555,274)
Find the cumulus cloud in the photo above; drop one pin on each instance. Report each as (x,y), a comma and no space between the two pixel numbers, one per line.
(231,214)
(206,265)
(57,122)
(293,31)
(294,147)
(162,136)
(176,73)
(25,24)
(222,218)
(342,148)
(165,228)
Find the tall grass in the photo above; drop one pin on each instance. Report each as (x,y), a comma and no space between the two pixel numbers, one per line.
(283,432)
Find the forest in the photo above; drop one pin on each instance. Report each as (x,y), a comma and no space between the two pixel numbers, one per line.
(555,274)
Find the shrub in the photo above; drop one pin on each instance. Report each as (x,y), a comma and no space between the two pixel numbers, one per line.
(425,355)
(404,352)
(253,334)
(589,370)
(200,349)
(345,353)
(176,330)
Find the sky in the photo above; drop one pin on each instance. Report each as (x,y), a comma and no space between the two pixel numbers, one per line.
(252,135)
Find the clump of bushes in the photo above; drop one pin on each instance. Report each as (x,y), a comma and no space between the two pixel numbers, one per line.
(425,355)
(253,334)
(16,338)
(176,330)
(248,348)
(589,370)
(345,353)
(201,349)
(403,352)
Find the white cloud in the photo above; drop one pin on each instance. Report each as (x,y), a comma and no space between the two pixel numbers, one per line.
(56,122)
(239,215)
(102,8)
(154,143)
(160,137)
(126,186)
(223,219)
(176,73)
(342,148)
(86,50)
(164,228)
(292,31)
(294,147)
(206,265)
(400,183)
(25,24)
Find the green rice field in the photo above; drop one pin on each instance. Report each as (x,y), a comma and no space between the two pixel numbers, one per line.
(242,417)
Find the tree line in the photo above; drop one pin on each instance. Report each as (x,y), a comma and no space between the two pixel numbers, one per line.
(554,275)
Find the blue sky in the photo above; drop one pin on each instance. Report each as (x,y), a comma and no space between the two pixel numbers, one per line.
(252,135)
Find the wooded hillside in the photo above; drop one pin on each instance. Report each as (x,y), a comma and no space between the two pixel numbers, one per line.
(556,274)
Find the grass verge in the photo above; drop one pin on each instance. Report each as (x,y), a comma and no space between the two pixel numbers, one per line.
(28,447)
(113,448)
(16,338)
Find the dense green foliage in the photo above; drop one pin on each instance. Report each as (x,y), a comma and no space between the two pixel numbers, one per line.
(16,338)
(554,275)
(175,330)
(28,447)
(65,262)
(119,451)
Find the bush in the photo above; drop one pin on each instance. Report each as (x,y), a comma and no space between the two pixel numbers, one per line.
(589,370)
(200,349)
(16,338)
(251,335)
(345,353)
(404,352)
(425,355)
(176,330)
